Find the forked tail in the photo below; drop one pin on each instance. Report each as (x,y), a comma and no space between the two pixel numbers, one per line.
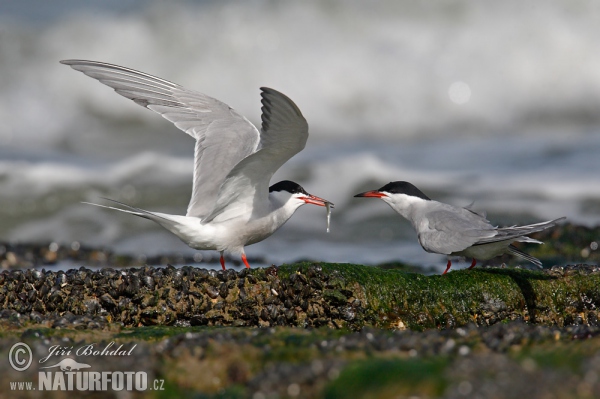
(519,233)
(163,219)
(517,252)
(176,224)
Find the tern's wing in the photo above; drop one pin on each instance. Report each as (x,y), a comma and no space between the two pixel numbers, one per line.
(451,229)
(223,137)
(284,133)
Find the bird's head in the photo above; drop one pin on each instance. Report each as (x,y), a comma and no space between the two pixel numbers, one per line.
(398,194)
(288,192)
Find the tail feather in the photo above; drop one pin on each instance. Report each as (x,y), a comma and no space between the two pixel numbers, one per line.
(528,239)
(517,233)
(116,209)
(176,224)
(132,210)
(514,251)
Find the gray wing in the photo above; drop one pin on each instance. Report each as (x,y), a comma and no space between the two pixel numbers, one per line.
(449,229)
(283,134)
(223,137)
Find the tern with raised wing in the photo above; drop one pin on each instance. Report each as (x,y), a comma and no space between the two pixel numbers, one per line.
(232,204)
(454,231)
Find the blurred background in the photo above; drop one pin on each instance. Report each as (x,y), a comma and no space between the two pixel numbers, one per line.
(492,102)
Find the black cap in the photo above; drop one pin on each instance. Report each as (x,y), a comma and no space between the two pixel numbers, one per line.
(404,187)
(289,186)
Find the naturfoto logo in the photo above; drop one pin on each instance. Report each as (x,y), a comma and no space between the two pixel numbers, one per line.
(69,364)
(67,374)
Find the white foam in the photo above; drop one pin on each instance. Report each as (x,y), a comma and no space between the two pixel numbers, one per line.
(40,177)
(384,69)
(372,80)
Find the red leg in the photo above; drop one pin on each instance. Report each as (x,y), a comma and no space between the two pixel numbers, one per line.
(473,264)
(447,267)
(245,261)
(222,261)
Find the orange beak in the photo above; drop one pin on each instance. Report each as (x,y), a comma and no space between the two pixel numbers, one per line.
(312,199)
(374,194)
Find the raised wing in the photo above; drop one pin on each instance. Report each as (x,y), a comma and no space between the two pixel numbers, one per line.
(223,137)
(246,188)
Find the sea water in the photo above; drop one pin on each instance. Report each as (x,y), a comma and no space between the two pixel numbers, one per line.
(497,103)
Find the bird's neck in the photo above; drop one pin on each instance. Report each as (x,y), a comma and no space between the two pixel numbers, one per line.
(406,206)
(279,211)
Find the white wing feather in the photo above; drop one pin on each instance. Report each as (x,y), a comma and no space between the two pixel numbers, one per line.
(223,137)
(284,133)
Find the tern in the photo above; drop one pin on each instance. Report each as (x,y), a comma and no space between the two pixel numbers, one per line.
(232,204)
(454,231)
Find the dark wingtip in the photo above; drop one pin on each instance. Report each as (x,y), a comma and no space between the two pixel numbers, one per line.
(72,61)
(269,91)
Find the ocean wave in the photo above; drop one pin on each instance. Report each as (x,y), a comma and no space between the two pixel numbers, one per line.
(389,69)
(469,101)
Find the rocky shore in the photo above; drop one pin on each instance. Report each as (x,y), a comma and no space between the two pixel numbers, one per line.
(320,330)
(301,295)
(311,329)
(506,360)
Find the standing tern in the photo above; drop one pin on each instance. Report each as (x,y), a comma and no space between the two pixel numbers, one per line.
(232,204)
(454,231)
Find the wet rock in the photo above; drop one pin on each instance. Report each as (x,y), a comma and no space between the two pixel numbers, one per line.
(449,321)
(335,297)
(108,302)
(348,313)
(91,305)
(212,292)
(309,295)
(252,279)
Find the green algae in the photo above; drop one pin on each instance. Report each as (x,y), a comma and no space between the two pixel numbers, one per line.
(564,357)
(416,365)
(152,333)
(400,300)
(405,267)
(309,294)
(190,358)
(379,378)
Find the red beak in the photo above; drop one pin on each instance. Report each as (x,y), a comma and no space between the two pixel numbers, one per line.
(312,199)
(374,194)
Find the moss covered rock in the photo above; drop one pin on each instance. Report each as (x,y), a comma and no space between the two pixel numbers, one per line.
(301,295)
